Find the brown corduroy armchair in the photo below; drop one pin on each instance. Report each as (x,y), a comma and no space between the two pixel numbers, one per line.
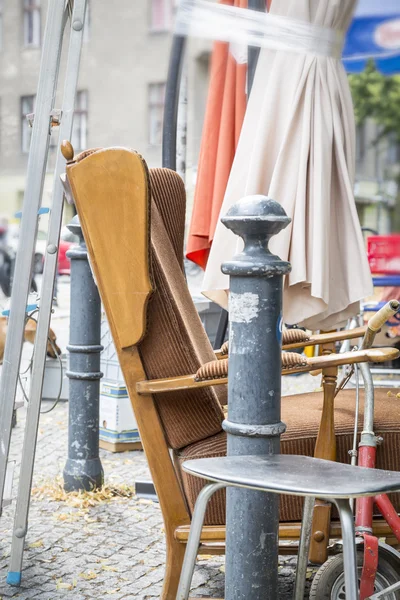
(133,223)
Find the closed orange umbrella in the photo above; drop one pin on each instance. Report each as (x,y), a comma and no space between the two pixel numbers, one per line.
(226,106)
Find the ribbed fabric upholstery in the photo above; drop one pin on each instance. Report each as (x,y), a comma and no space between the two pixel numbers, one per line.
(215,369)
(293,336)
(289,336)
(85,154)
(168,193)
(209,448)
(225,348)
(176,343)
(219,368)
(302,415)
(291,360)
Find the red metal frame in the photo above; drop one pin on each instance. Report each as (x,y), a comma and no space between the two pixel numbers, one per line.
(388,513)
(364,512)
(370,565)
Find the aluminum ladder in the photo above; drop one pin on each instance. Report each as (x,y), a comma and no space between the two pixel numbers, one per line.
(59,14)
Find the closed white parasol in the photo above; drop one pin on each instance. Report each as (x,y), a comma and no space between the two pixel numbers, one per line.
(298,146)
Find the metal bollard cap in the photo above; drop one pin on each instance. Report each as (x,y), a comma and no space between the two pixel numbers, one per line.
(256,219)
(265,215)
(75,226)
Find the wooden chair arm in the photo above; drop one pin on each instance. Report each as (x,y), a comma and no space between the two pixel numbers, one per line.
(328,338)
(185,382)
(312,340)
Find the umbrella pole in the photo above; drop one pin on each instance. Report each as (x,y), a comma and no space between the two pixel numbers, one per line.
(254,422)
(170,123)
(253,52)
(251,69)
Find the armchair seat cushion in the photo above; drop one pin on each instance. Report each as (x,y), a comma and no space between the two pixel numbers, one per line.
(302,415)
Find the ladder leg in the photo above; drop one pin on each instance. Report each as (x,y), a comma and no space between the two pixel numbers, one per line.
(304,548)
(32,199)
(193,543)
(49,274)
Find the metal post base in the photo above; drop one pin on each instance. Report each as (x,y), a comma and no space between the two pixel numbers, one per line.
(14,578)
(82,474)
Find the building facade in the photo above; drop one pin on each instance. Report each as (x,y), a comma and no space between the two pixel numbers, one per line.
(377,179)
(121,87)
(120,98)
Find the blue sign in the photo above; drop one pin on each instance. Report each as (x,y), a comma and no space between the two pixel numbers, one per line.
(374,33)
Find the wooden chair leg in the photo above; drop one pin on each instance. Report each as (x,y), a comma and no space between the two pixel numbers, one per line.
(324,448)
(173,567)
(320,532)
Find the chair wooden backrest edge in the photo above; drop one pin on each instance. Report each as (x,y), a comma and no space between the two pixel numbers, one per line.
(168,488)
(118,178)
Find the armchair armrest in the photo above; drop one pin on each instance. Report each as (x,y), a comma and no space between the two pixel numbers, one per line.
(220,369)
(297,338)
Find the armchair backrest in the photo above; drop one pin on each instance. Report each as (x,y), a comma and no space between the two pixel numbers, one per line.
(122,207)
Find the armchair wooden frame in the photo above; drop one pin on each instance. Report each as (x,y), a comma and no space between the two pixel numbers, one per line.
(102,184)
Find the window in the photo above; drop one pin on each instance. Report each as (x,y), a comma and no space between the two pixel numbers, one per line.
(156,112)
(161,14)
(27,107)
(79,130)
(31,22)
(393,150)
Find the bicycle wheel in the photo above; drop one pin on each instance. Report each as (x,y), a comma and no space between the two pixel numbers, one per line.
(328,583)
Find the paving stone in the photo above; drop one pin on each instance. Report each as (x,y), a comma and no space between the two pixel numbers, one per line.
(29,594)
(8,591)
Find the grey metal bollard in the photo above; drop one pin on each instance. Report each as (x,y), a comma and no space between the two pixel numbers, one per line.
(83,469)
(254,390)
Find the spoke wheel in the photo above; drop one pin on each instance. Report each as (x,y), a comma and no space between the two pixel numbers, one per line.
(328,583)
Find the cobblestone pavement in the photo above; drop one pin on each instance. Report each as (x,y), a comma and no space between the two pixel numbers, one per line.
(111,550)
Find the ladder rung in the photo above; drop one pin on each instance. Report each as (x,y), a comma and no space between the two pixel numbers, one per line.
(44,210)
(55,118)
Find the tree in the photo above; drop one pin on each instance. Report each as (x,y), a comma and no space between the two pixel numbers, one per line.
(377,96)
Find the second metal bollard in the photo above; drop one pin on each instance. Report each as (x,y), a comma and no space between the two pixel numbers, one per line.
(83,469)
(254,390)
